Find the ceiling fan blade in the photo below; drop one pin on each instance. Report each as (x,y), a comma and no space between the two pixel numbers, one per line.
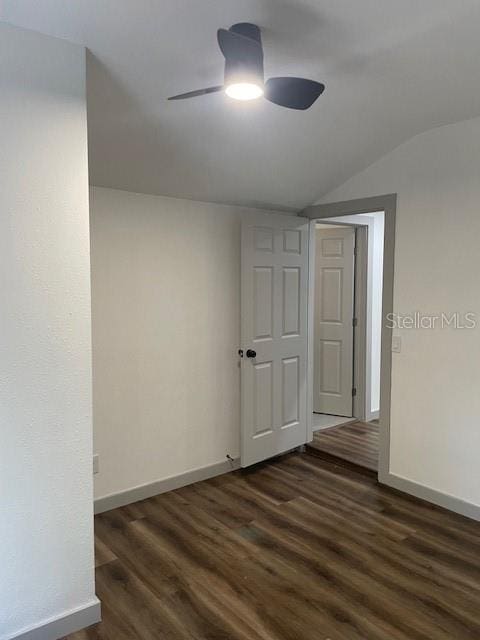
(198,92)
(239,48)
(294,93)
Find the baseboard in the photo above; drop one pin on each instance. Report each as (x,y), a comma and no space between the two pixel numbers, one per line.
(444,500)
(150,489)
(63,625)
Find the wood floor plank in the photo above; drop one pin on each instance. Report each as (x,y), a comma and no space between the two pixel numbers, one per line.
(402,576)
(363,518)
(295,549)
(363,613)
(103,553)
(356,442)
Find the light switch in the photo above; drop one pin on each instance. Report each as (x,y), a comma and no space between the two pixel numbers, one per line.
(396,344)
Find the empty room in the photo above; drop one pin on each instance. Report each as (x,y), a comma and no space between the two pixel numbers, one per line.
(239,320)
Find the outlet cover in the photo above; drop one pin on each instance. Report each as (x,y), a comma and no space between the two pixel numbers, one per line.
(96,463)
(396,344)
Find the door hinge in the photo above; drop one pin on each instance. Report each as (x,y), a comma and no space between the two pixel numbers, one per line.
(354,322)
(354,392)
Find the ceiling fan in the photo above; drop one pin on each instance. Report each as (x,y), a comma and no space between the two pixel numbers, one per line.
(242,48)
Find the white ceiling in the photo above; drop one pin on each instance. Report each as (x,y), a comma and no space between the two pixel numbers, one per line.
(392,68)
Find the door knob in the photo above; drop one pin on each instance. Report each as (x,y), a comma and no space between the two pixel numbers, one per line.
(251,353)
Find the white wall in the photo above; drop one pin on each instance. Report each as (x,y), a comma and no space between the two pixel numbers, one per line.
(46,536)
(435,437)
(166,329)
(376,284)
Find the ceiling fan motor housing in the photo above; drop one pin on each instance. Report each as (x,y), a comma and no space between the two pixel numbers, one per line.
(248,30)
(247,64)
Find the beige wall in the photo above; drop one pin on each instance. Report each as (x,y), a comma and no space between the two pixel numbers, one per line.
(166,327)
(435,434)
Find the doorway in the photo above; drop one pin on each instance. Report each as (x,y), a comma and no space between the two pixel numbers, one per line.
(378,334)
(347,326)
(277,338)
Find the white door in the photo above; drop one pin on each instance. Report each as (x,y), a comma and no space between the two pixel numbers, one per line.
(333,334)
(274,281)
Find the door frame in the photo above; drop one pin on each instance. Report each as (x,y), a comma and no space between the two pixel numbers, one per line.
(388,204)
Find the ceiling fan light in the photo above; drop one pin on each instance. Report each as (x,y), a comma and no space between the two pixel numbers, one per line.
(244,91)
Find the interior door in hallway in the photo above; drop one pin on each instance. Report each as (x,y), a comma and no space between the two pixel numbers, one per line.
(274,299)
(334,310)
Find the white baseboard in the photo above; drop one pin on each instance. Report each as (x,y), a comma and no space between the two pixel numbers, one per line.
(444,500)
(144,491)
(63,625)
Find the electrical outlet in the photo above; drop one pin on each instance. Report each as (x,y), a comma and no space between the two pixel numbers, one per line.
(396,344)
(96,463)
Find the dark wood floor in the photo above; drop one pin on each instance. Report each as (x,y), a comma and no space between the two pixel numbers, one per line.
(356,442)
(298,549)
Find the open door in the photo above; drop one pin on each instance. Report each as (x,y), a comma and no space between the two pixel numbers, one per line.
(274,282)
(334,311)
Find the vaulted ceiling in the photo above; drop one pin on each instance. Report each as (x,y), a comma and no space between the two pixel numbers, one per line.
(392,68)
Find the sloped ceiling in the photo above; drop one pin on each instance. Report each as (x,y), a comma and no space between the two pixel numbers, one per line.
(392,68)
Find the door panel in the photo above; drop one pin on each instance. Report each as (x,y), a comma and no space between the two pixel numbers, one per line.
(331,366)
(291,301)
(274,324)
(263,399)
(263,239)
(263,303)
(334,295)
(331,287)
(290,391)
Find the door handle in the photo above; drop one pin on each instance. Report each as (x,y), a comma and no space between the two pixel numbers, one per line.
(251,353)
